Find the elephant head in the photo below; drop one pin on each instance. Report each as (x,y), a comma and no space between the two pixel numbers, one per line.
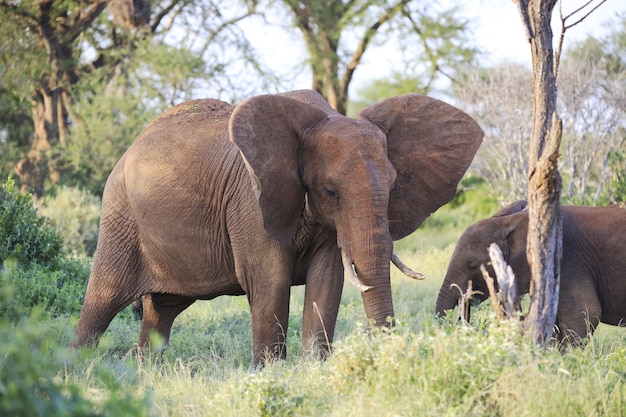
(371,180)
(507,228)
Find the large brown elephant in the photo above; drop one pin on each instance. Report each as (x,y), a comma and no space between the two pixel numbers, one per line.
(280,190)
(593,265)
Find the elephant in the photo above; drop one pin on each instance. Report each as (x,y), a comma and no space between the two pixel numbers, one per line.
(281,190)
(593,265)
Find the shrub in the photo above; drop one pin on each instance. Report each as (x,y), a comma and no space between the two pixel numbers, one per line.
(35,268)
(76,215)
(25,236)
(59,291)
(33,378)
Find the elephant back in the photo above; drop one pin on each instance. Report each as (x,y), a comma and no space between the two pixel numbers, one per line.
(196,111)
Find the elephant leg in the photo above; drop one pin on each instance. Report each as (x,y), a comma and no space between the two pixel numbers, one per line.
(114,280)
(324,285)
(159,312)
(103,300)
(579,312)
(270,317)
(266,280)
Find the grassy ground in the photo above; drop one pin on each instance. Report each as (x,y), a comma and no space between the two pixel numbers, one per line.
(423,367)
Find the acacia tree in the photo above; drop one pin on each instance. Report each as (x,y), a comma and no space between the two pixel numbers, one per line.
(51,47)
(55,28)
(544,245)
(337,33)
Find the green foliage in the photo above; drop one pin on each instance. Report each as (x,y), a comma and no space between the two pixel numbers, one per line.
(617,165)
(35,268)
(270,395)
(33,378)
(57,291)
(75,214)
(25,237)
(38,281)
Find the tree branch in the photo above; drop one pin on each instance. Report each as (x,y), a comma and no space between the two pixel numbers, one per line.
(586,14)
(166,10)
(365,41)
(85,19)
(522,7)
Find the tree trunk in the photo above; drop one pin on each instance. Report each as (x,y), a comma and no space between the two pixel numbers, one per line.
(544,245)
(57,28)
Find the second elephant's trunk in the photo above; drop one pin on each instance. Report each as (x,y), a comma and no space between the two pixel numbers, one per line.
(448,299)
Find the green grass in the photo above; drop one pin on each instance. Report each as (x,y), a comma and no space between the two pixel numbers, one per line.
(422,367)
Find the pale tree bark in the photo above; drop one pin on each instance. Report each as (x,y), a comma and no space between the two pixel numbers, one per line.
(545,234)
(544,246)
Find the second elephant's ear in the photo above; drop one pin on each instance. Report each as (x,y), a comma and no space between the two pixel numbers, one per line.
(512,208)
(431,144)
(267,130)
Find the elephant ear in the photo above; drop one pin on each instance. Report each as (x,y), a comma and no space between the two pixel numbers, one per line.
(431,144)
(512,208)
(312,98)
(267,130)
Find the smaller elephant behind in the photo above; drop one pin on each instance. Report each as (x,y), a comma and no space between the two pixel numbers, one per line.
(593,265)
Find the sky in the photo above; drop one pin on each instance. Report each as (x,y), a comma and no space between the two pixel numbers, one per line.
(497,30)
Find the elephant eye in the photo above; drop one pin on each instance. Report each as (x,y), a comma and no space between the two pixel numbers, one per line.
(330,192)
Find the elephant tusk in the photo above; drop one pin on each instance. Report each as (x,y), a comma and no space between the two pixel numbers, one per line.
(354,279)
(405,269)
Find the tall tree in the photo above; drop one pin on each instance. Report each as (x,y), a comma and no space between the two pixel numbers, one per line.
(544,246)
(54,27)
(545,233)
(337,33)
(51,46)
(322,24)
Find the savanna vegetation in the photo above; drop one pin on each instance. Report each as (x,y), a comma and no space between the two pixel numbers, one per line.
(80,79)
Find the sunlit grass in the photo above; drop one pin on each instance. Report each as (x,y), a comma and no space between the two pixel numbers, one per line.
(423,367)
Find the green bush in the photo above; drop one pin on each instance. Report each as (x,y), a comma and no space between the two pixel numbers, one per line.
(75,214)
(617,165)
(33,378)
(58,291)
(35,268)
(25,236)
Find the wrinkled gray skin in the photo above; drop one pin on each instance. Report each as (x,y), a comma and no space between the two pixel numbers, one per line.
(216,200)
(593,266)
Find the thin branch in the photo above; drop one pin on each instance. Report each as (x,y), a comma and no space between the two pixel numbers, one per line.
(493,294)
(157,19)
(85,19)
(221,27)
(585,16)
(564,28)
(367,37)
(523,11)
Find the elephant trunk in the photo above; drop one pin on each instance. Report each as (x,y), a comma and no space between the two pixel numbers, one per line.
(379,314)
(370,254)
(448,298)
